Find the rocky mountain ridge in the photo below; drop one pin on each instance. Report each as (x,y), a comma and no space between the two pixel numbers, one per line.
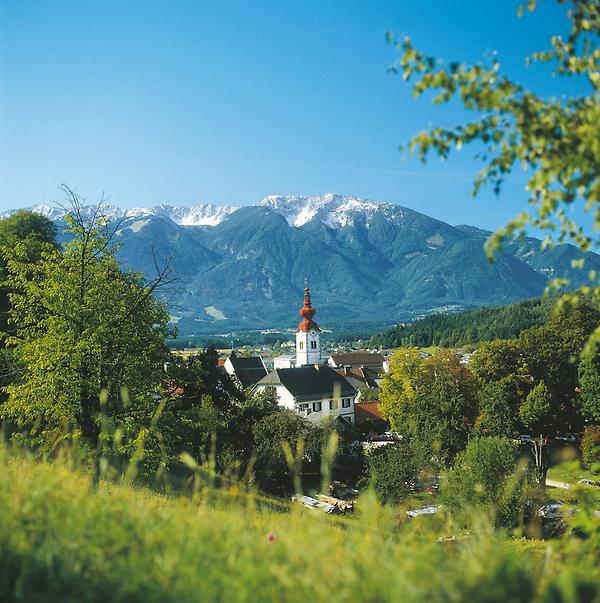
(368,263)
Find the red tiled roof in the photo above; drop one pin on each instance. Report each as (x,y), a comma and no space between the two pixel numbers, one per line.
(367,410)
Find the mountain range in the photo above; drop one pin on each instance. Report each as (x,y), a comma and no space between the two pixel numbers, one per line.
(368,263)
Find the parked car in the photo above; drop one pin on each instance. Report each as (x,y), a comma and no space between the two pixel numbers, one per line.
(589,482)
(393,435)
(428,510)
(525,439)
(568,438)
(555,510)
(552,510)
(314,504)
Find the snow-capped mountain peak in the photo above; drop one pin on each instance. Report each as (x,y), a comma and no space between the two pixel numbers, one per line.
(333,210)
(198,215)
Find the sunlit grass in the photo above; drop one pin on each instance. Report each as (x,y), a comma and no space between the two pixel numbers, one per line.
(63,540)
(571,472)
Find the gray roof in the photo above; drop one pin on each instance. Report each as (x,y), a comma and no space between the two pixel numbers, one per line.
(359,358)
(360,377)
(248,369)
(308,382)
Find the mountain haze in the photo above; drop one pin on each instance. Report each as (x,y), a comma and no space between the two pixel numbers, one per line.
(367,262)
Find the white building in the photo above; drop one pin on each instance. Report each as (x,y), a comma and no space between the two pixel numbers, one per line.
(315,392)
(303,384)
(248,369)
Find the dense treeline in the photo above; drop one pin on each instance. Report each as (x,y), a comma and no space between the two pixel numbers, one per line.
(343,336)
(538,385)
(469,327)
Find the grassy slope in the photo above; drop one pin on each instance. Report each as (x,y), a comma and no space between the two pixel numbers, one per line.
(59,541)
(571,472)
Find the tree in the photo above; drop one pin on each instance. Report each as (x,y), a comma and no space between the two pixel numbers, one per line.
(390,471)
(536,414)
(34,233)
(431,400)
(551,352)
(590,448)
(481,477)
(554,139)
(82,326)
(28,227)
(496,360)
(397,387)
(499,408)
(589,386)
(271,467)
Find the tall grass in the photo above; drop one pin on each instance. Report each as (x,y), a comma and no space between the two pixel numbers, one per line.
(63,540)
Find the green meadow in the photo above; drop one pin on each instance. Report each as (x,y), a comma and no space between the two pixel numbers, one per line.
(62,539)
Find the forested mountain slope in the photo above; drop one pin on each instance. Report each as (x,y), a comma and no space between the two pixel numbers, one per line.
(368,263)
(471,326)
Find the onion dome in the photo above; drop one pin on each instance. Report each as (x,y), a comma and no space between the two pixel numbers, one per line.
(307,312)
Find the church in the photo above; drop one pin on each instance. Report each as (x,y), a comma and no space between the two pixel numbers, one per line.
(303,384)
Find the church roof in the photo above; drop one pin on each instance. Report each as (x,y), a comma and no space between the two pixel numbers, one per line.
(308,382)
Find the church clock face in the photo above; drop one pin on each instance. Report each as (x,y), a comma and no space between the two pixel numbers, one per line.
(313,332)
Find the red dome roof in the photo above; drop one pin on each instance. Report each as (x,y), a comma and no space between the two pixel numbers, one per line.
(307,312)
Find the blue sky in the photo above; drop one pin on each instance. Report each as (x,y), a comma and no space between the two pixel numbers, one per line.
(186,102)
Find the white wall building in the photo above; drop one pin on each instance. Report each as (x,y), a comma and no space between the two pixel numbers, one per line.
(315,392)
(304,385)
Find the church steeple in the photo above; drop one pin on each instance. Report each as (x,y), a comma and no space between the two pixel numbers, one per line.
(308,345)
(307,312)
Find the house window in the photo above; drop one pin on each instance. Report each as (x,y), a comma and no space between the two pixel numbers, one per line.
(313,345)
(301,345)
(333,404)
(316,406)
(345,402)
(304,408)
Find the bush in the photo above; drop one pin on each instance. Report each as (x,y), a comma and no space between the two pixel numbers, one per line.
(487,474)
(590,448)
(390,471)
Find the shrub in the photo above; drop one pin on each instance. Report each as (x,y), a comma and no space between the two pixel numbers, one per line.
(391,470)
(590,448)
(487,474)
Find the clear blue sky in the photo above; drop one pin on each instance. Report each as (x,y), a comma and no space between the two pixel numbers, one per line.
(186,102)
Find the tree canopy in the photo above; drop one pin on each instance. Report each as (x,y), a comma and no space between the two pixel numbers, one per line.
(555,140)
(82,326)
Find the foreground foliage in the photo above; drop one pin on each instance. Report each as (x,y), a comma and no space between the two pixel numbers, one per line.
(555,140)
(62,541)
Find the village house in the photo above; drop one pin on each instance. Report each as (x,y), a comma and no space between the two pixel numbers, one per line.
(359,359)
(315,392)
(362,379)
(249,370)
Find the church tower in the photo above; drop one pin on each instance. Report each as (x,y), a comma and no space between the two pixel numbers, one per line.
(308,344)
